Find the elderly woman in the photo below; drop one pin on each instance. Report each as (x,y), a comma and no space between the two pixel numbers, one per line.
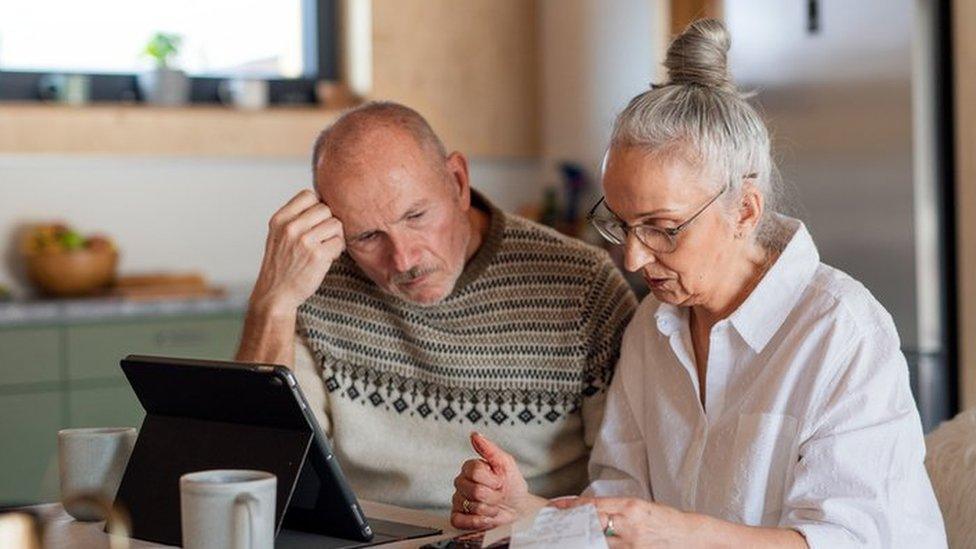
(761,398)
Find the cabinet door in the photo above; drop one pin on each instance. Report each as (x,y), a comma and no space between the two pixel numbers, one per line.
(29,355)
(29,426)
(114,406)
(94,350)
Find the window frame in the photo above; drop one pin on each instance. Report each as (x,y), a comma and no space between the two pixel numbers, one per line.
(320,56)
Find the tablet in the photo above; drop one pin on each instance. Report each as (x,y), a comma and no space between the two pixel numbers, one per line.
(226,415)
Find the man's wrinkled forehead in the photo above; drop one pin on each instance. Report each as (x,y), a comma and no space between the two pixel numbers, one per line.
(375,156)
(377,177)
(371,194)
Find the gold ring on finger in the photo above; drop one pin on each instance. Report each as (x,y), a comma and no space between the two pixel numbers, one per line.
(466,506)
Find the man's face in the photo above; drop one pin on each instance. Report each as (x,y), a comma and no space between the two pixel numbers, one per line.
(404,214)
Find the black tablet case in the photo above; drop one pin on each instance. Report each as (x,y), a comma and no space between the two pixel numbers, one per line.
(200,416)
(185,431)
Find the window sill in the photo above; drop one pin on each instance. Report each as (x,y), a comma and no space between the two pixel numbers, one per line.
(284,132)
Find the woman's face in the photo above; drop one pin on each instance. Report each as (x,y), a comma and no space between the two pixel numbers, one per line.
(664,191)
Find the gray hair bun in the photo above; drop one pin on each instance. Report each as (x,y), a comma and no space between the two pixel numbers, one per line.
(698,56)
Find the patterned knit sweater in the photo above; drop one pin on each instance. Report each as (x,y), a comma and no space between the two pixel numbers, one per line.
(522,351)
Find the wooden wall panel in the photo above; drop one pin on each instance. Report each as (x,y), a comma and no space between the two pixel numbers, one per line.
(685,12)
(470,67)
(964,69)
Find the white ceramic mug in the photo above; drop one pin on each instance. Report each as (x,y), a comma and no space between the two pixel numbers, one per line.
(244,93)
(91,463)
(228,509)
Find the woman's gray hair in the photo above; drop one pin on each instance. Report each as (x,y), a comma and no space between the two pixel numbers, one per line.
(700,117)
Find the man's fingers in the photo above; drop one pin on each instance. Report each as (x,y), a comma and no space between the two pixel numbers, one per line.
(477,492)
(308,220)
(464,521)
(326,230)
(331,249)
(479,471)
(497,458)
(314,216)
(305,199)
(473,507)
(457,501)
(484,509)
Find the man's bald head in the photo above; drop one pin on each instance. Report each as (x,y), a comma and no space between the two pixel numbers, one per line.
(356,129)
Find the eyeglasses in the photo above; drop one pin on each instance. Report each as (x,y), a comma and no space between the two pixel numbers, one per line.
(664,241)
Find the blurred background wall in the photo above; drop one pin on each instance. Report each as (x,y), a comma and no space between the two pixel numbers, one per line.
(576,62)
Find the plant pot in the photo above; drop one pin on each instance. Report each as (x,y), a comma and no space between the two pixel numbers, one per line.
(164,87)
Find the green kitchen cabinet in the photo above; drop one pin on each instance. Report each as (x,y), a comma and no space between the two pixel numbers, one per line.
(30,355)
(94,350)
(67,375)
(104,407)
(29,425)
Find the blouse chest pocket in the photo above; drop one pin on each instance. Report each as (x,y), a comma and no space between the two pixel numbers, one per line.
(763,454)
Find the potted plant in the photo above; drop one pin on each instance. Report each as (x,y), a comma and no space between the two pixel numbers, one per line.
(164,85)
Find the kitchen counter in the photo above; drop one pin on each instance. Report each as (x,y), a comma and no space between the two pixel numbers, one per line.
(69,311)
(59,368)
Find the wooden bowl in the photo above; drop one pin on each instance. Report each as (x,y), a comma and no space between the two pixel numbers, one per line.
(72,273)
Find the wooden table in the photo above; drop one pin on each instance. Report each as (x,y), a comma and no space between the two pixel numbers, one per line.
(64,532)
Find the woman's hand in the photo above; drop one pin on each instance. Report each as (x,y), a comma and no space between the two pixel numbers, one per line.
(489,491)
(639,523)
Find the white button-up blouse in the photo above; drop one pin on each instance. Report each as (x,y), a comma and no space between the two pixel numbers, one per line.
(808,423)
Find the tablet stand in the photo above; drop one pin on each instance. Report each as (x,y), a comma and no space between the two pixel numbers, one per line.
(169,447)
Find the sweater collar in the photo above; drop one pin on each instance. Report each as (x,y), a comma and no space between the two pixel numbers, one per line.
(485,253)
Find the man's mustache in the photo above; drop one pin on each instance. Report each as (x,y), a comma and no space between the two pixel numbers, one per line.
(412,274)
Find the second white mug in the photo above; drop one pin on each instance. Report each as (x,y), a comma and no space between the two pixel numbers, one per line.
(91,463)
(228,509)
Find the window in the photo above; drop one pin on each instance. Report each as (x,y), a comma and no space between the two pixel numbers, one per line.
(291,43)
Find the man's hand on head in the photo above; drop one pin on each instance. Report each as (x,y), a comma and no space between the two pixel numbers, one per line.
(304,239)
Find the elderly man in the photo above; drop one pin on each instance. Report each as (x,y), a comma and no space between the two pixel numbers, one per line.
(423,312)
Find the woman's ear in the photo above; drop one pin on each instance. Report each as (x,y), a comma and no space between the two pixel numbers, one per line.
(751,206)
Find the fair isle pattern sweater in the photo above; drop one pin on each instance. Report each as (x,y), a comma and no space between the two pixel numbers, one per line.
(522,350)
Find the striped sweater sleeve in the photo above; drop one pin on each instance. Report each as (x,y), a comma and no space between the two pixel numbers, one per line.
(609,306)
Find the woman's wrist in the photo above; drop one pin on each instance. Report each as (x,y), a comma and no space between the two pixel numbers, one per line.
(706,531)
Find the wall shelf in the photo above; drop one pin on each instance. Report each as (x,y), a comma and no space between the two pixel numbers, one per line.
(137,130)
(475,77)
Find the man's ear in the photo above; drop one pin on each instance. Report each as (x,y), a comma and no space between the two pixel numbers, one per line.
(457,169)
